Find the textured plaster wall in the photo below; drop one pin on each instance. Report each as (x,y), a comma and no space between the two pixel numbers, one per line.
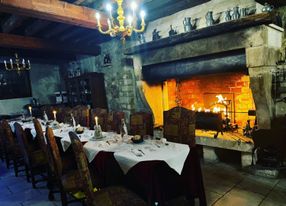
(45,80)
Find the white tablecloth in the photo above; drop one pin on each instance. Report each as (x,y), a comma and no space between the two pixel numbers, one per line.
(126,153)
(25,125)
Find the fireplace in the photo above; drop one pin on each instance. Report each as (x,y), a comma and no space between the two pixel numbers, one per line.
(229,72)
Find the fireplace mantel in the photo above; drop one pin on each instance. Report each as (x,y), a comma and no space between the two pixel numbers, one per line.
(250,21)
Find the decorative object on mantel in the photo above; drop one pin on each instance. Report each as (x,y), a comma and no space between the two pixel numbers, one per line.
(188,26)
(235,13)
(119,28)
(155,35)
(106,60)
(16,65)
(141,38)
(267,7)
(227,15)
(172,32)
(209,18)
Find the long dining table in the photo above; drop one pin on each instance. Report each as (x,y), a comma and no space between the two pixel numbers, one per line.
(157,170)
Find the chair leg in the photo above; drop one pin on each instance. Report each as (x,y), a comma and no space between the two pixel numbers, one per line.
(15,163)
(33,178)
(27,173)
(7,161)
(64,198)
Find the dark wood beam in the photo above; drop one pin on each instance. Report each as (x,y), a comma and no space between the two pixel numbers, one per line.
(57,29)
(36,26)
(54,10)
(21,42)
(72,33)
(13,22)
(234,25)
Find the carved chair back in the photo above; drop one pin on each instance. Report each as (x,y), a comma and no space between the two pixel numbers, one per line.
(55,161)
(23,142)
(141,123)
(81,115)
(179,125)
(113,121)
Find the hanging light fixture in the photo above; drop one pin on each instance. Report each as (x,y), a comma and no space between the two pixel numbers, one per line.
(120,26)
(17,65)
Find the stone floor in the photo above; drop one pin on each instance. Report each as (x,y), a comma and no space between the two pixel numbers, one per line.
(224,185)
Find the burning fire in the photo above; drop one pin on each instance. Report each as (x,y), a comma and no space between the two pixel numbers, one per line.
(215,109)
(221,99)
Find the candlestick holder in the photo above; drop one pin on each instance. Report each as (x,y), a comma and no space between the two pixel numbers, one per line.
(97,132)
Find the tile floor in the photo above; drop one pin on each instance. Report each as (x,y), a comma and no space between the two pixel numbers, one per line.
(225,185)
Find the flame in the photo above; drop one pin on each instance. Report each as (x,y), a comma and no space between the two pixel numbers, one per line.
(193,107)
(200,109)
(216,109)
(207,110)
(221,99)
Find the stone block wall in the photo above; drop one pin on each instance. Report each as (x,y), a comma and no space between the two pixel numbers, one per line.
(120,81)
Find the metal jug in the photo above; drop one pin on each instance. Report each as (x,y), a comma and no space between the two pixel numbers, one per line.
(236,13)
(209,18)
(267,7)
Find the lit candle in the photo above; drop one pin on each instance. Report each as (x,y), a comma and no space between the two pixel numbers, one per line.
(30,110)
(55,114)
(11,63)
(96,121)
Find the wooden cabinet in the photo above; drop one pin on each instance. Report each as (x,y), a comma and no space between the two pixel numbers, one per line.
(87,89)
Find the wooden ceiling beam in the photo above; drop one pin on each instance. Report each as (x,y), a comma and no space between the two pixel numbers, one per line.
(36,26)
(21,42)
(13,22)
(54,10)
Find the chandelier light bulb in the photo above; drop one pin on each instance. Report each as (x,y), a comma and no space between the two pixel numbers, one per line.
(108,7)
(142,14)
(97,16)
(133,5)
(129,19)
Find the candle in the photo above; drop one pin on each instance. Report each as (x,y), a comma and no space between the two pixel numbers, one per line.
(30,110)
(96,121)
(55,114)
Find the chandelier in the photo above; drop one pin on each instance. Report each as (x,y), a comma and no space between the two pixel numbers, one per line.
(122,27)
(17,65)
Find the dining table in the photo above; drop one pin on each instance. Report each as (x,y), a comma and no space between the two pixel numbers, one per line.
(156,169)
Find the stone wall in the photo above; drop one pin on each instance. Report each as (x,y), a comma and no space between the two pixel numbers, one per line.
(120,79)
(45,80)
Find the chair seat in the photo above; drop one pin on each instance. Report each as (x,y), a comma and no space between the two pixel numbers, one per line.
(117,196)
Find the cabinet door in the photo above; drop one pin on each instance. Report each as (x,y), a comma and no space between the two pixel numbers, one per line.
(98,95)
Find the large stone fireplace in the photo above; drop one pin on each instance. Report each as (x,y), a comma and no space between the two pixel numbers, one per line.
(214,70)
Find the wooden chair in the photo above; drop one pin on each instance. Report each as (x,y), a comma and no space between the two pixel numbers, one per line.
(12,151)
(81,115)
(141,123)
(110,196)
(102,117)
(179,126)
(113,121)
(64,114)
(68,181)
(35,160)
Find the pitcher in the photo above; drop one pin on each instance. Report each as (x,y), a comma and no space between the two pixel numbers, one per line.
(236,13)
(187,22)
(209,18)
